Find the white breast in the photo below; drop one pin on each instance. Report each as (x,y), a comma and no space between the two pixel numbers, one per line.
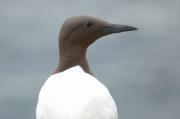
(74,94)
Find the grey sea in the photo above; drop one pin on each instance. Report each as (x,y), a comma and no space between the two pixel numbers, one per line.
(140,68)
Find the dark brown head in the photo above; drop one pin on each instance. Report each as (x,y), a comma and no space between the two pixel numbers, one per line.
(81,31)
(77,33)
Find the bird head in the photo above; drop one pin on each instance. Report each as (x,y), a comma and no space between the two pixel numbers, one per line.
(81,31)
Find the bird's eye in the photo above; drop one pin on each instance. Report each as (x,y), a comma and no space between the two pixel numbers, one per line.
(89,24)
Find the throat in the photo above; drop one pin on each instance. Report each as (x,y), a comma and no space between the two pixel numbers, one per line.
(68,61)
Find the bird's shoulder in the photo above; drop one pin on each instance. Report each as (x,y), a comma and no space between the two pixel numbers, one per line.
(75,91)
(73,80)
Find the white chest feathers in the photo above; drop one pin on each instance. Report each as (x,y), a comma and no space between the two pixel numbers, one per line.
(74,94)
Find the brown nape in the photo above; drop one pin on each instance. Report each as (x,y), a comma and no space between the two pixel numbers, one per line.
(76,34)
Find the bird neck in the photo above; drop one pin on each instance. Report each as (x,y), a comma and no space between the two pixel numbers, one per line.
(70,59)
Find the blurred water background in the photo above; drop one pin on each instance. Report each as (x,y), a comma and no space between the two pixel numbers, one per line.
(140,68)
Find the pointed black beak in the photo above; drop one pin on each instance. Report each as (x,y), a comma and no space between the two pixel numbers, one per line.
(115,28)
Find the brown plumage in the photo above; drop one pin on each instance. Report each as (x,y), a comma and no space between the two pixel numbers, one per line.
(77,33)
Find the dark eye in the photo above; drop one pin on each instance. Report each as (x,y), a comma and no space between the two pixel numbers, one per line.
(89,24)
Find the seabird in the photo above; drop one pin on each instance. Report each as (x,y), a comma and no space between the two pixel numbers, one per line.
(72,91)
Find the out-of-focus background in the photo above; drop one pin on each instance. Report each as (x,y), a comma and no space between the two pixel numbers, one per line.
(140,68)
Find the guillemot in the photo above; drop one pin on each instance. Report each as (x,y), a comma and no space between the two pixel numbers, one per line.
(72,91)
